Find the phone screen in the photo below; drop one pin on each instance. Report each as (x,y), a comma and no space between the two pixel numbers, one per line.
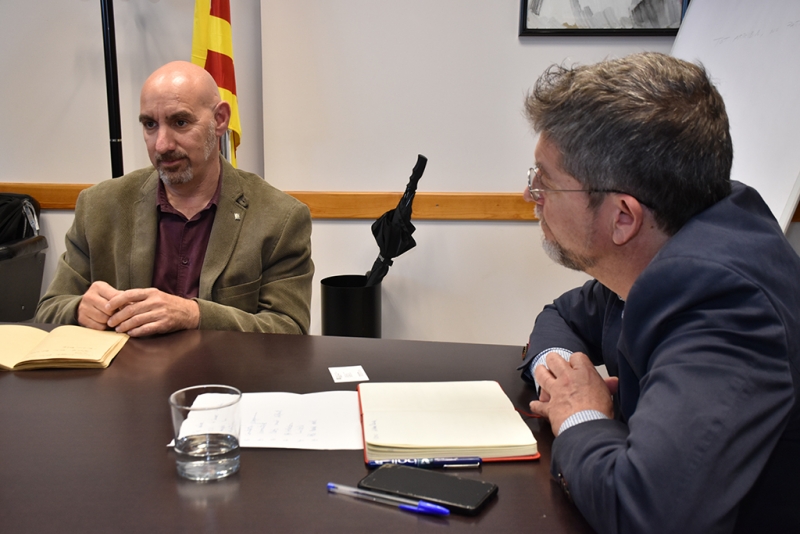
(459,495)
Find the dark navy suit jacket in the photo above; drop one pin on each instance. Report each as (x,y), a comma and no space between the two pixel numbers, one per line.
(707,351)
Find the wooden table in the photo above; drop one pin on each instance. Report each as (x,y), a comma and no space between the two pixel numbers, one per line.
(85,450)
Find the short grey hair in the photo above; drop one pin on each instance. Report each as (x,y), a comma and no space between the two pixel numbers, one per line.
(648,124)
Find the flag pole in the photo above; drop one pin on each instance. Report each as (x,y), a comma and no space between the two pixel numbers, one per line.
(112,86)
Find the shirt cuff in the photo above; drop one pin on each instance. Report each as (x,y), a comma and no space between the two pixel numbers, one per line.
(581,417)
(540,360)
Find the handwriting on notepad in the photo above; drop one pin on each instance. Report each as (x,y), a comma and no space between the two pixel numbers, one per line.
(324,420)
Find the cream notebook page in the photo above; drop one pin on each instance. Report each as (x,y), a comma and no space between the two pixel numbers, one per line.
(441,414)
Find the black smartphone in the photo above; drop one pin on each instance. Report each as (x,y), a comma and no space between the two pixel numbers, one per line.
(459,495)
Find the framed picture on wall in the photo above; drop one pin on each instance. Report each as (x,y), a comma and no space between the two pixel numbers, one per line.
(601,17)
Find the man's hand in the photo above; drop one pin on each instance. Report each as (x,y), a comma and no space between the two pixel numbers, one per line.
(570,387)
(93,311)
(144,312)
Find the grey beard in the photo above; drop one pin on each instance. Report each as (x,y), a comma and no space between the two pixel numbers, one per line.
(558,254)
(182,177)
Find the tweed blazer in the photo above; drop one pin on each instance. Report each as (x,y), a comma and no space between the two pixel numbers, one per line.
(257,272)
(707,351)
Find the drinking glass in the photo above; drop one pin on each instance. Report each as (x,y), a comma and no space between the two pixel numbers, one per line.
(206,420)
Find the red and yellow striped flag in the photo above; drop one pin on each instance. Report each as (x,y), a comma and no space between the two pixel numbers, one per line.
(212,49)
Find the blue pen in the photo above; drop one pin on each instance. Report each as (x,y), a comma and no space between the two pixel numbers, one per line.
(468,461)
(409,505)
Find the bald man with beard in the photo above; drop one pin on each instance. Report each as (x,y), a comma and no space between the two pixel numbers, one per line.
(189,242)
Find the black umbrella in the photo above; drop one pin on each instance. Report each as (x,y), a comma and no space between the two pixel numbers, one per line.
(393,229)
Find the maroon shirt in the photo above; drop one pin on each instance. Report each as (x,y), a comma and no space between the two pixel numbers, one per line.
(181,245)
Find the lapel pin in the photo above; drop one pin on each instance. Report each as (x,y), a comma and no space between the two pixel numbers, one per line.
(237,216)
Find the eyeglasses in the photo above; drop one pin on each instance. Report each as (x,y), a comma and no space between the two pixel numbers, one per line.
(537,193)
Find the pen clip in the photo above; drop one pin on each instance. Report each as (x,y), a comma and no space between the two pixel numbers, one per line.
(474,465)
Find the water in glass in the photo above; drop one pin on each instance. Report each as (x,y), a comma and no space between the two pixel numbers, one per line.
(205,457)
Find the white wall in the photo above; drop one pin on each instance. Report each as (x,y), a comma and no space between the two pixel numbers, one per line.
(54,95)
(338,109)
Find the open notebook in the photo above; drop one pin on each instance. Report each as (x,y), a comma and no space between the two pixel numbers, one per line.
(442,419)
(28,347)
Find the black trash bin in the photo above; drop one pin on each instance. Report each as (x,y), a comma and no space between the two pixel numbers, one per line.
(349,308)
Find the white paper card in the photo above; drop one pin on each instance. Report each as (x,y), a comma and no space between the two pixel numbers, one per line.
(354,373)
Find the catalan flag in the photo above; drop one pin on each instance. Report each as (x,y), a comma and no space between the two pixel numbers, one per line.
(212,49)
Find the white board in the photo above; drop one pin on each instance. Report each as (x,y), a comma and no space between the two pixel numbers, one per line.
(751,50)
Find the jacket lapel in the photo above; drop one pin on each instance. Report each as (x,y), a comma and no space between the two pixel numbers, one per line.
(228,221)
(145,232)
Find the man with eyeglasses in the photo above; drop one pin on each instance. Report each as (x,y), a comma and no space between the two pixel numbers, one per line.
(694,307)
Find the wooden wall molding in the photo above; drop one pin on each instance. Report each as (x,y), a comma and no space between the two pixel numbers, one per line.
(50,196)
(347,205)
(427,206)
(342,205)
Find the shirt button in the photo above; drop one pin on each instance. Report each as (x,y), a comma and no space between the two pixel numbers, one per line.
(185,261)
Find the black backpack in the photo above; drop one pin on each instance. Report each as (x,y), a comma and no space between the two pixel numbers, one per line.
(19,217)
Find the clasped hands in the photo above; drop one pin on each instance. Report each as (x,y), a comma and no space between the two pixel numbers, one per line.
(569,387)
(136,312)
